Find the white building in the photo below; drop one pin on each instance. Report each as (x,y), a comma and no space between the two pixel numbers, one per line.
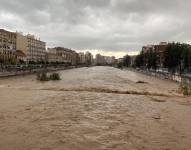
(89,58)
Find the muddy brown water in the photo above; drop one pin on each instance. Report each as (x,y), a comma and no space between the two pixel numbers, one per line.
(98,108)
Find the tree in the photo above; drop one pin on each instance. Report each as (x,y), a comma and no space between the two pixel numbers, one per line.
(127,61)
(152,60)
(178,57)
(186,56)
(139,60)
(173,56)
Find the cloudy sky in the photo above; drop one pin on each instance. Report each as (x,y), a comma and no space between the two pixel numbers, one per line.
(111,27)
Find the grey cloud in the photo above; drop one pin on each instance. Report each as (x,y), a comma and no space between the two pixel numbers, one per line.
(111,25)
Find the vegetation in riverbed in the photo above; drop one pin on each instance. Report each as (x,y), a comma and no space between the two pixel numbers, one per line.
(42,76)
(141,82)
(45,77)
(186,89)
(54,76)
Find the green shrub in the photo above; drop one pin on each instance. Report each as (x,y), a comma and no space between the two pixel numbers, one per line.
(42,77)
(55,76)
(186,89)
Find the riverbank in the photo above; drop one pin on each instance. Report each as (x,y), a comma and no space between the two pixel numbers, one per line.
(34,71)
(181,79)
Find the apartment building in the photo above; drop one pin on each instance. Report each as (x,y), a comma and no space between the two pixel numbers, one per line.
(160,51)
(33,48)
(21,47)
(148,48)
(7,45)
(36,49)
(21,42)
(82,58)
(89,58)
(100,59)
(52,56)
(62,55)
(15,46)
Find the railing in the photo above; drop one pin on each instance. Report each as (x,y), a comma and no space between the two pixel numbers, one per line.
(6,71)
(182,79)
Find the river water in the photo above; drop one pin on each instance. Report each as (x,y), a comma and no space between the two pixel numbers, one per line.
(97,108)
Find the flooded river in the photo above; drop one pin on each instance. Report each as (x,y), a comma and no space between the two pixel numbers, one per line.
(98,108)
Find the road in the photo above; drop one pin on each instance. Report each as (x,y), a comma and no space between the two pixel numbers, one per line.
(97,108)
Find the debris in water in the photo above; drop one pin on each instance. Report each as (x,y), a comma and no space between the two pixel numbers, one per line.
(157,117)
(141,82)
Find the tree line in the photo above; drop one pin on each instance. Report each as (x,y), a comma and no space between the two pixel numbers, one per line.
(176,57)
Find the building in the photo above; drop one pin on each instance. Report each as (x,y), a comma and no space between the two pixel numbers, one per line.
(36,49)
(100,60)
(120,60)
(7,46)
(114,60)
(132,60)
(108,60)
(33,48)
(62,55)
(68,56)
(52,57)
(105,60)
(160,51)
(20,56)
(82,58)
(21,42)
(148,48)
(89,58)
(15,45)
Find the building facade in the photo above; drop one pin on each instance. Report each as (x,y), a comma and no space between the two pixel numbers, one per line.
(89,58)
(36,49)
(21,42)
(62,55)
(68,56)
(105,60)
(100,60)
(159,49)
(7,46)
(52,56)
(148,48)
(82,58)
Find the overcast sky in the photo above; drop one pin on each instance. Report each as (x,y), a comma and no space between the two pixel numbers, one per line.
(112,27)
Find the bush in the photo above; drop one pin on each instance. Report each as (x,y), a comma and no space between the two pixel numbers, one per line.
(44,77)
(55,76)
(120,65)
(186,89)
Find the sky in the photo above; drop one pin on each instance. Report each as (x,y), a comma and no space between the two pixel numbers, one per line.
(109,27)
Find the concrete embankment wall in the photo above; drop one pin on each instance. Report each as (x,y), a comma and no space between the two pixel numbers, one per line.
(32,71)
